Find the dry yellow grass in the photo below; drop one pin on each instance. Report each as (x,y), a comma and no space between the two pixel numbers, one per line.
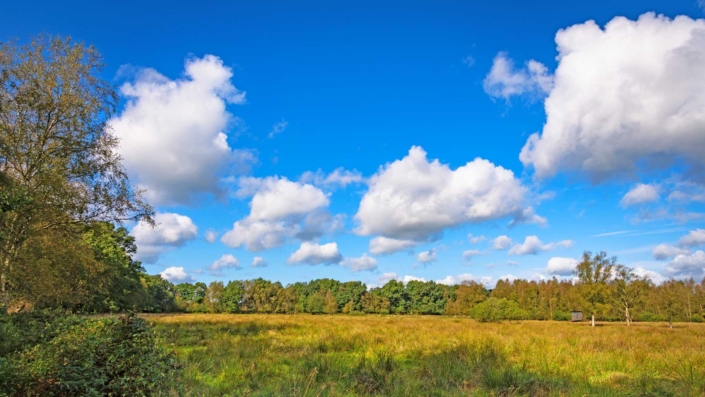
(424,355)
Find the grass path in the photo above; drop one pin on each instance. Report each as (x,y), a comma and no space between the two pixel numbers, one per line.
(304,355)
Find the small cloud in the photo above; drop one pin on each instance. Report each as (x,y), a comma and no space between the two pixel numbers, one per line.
(384,245)
(469,254)
(476,239)
(315,254)
(692,265)
(469,61)
(340,177)
(359,264)
(640,194)
(512,263)
(227,261)
(427,256)
(460,278)
(561,266)
(693,239)
(501,243)
(664,252)
(258,261)
(176,275)
(532,246)
(211,235)
(278,128)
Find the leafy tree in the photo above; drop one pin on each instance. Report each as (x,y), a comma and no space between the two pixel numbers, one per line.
(331,304)
(668,296)
(232,296)
(466,296)
(57,155)
(629,290)
(426,297)
(160,295)
(395,294)
(214,297)
(593,272)
(316,303)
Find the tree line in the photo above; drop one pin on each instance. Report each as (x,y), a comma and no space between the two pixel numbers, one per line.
(602,290)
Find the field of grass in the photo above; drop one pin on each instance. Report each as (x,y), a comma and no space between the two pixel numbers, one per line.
(304,355)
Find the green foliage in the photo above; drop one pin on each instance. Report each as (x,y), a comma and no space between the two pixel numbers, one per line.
(55,354)
(561,316)
(160,297)
(495,310)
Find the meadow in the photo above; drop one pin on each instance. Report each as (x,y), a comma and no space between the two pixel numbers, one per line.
(339,355)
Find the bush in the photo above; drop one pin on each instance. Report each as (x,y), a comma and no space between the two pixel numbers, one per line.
(561,316)
(64,355)
(494,310)
(651,317)
(697,318)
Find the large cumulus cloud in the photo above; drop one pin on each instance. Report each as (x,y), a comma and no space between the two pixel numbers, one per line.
(629,97)
(172,132)
(414,199)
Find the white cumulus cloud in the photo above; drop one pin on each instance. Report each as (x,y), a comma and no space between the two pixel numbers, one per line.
(315,254)
(532,246)
(692,265)
(640,194)
(171,132)
(364,262)
(693,239)
(258,261)
(469,254)
(171,231)
(227,261)
(558,266)
(211,235)
(176,275)
(461,278)
(505,81)
(475,239)
(384,245)
(416,199)
(629,97)
(663,252)
(427,256)
(501,243)
(277,210)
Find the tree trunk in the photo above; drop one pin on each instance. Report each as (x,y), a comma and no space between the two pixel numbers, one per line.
(592,322)
(626,309)
(5,295)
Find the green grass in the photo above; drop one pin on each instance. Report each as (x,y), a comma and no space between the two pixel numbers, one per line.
(304,355)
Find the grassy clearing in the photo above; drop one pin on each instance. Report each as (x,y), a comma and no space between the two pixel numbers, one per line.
(304,355)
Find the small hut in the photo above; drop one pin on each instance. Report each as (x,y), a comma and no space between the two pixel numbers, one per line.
(576,316)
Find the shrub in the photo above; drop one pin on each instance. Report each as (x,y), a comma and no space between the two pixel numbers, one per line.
(493,310)
(651,317)
(561,316)
(697,318)
(68,355)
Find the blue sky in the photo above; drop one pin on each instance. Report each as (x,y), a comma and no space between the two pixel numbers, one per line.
(297,88)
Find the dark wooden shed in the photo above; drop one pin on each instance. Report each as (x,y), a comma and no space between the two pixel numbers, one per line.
(576,316)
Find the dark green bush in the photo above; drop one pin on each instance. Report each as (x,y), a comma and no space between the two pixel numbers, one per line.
(651,317)
(697,318)
(561,316)
(67,356)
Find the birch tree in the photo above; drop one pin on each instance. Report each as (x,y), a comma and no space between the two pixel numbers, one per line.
(593,273)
